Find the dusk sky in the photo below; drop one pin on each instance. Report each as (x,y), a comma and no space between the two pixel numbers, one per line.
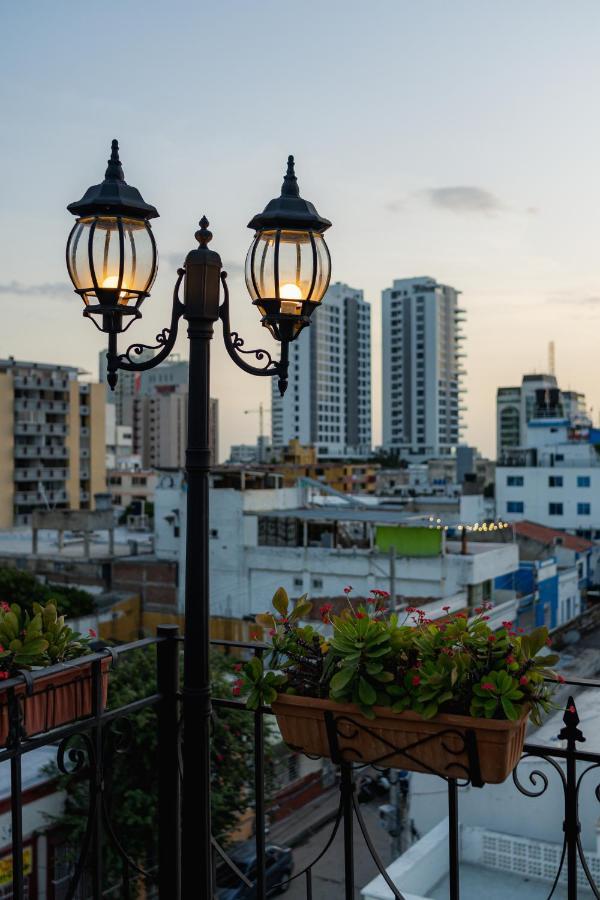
(459,140)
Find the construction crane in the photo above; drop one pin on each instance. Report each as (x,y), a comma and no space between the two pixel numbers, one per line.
(261,428)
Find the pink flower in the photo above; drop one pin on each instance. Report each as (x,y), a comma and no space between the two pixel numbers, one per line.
(5,606)
(415,680)
(485,618)
(92,632)
(523,680)
(488,686)
(348,589)
(560,679)
(272,632)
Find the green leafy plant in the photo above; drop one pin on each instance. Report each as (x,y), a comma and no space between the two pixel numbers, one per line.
(23,588)
(369,657)
(41,638)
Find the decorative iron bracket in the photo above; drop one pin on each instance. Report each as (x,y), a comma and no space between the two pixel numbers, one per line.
(234,344)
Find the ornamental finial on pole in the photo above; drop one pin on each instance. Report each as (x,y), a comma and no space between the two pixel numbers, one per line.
(114,169)
(290,188)
(203,235)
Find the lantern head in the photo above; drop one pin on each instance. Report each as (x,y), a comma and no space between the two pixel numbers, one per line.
(288,264)
(111,252)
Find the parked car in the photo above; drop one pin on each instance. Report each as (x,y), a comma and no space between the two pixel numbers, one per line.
(278,868)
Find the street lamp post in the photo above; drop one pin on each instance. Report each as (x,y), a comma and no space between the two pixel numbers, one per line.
(112,262)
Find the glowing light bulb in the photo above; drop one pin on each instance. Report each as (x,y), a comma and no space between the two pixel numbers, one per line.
(111,281)
(290,291)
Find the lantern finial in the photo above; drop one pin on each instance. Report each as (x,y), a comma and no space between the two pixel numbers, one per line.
(290,188)
(114,170)
(203,235)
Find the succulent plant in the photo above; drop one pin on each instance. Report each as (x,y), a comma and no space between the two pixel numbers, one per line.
(41,639)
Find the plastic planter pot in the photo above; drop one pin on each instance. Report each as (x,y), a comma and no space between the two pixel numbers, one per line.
(482,750)
(58,698)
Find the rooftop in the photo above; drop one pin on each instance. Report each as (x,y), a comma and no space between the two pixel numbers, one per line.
(552,536)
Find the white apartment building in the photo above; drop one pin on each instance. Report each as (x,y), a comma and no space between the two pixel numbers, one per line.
(421,323)
(328,400)
(538,397)
(265,538)
(554,479)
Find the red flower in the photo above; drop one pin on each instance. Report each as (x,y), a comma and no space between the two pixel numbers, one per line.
(348,589)
(219,757)
(491,638)
(254,635)
(523,680)
(460,616)
(325,610)
(549,642)
(572,709)
(485,618)
(415,680)
(5,606)
(479,609)
(510,660)
(3,676)
(410,609)
(272,632)
(507,625)
(237,687)
(359,615)
(560,679)
(92,632)
(445,608)
(520,630)
(377,593)
(488,686)
(237,667)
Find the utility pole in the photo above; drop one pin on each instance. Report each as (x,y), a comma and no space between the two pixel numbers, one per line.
(392,578)
(399,800)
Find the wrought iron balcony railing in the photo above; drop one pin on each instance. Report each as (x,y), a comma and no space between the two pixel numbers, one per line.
(86,751)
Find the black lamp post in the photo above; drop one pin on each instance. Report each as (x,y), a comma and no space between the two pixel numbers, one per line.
(112,262)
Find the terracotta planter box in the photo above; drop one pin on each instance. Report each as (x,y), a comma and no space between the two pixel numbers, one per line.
(57,699)
(498,743)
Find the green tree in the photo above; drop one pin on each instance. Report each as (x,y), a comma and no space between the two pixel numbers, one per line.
(24,589)
(131,770)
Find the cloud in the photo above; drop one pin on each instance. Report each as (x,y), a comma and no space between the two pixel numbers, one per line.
(46,289)
(569,299)
(463,199)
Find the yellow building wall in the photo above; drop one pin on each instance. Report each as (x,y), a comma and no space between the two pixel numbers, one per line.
(72,443)
(97,400)
(6,450)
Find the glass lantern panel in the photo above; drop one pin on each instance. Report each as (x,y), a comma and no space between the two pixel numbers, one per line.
(323,268)
(295,267)
(77,256)
(260,265)
(139,271)
(106,252)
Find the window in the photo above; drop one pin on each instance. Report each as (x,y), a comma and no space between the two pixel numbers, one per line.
(515,481)
(584,509)
(555,481)
(317,582)
(555,509)
(298,582)
(515,506)
(583,481)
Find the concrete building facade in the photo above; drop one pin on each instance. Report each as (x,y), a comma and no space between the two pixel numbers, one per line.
(328,400)
(537,397)
(421,323)
(53,446)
